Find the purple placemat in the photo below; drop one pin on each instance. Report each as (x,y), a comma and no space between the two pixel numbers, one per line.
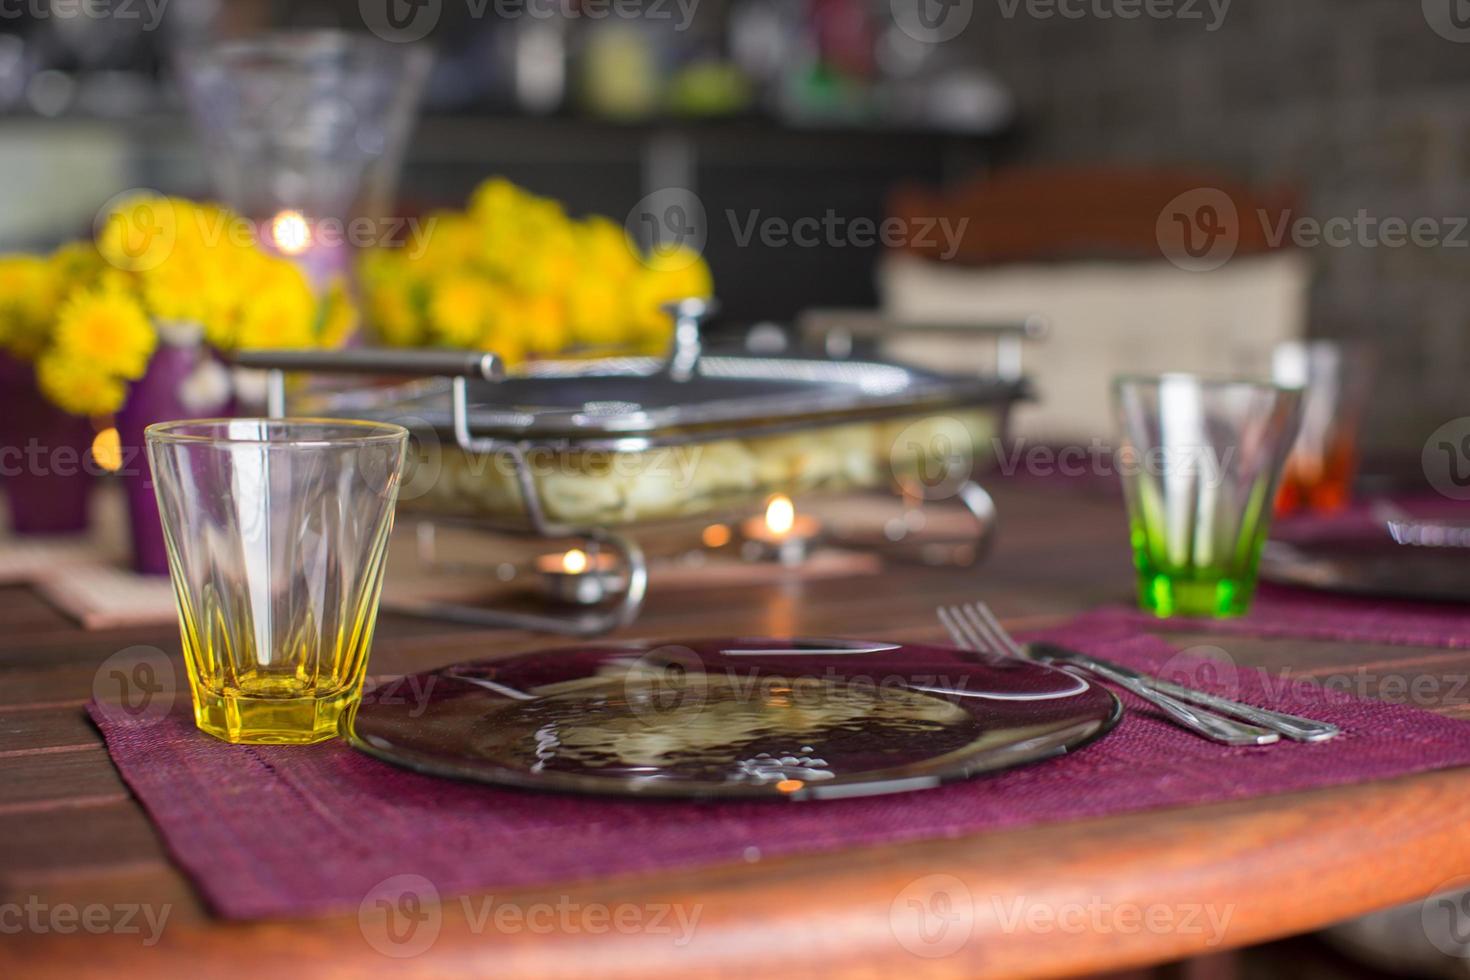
(268,832)
(1278,611)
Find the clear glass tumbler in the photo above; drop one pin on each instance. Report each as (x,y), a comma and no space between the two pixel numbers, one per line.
(1200,461)
(277,531)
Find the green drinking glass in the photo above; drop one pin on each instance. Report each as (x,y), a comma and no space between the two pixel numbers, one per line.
(1200,461)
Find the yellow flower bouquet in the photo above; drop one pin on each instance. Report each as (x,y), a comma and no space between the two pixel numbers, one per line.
(514,274)
(132,325)
(91,315)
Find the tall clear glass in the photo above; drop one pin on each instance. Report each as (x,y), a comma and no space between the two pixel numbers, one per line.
(1200,461)
(277,531)
(311,124)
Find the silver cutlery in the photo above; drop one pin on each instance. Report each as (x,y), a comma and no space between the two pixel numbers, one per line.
(973,626)
(1294,727)
(1420,532)
(969,628)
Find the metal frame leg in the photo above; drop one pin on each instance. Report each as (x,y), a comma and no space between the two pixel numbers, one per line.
(584,623)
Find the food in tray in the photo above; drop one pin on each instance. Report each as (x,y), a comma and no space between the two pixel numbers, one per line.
(617,441)
(608,488)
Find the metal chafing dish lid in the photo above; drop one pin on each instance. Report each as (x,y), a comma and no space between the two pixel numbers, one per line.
(689,392)
(625,396)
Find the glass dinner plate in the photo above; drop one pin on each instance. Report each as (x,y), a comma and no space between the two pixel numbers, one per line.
(1357,566)
(732,718)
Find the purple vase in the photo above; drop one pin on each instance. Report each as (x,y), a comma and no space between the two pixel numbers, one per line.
(44,465)
(184,381)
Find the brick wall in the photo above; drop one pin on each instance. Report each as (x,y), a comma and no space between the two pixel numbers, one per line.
(1361,103)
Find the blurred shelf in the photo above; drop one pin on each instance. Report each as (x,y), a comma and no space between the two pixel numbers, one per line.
(744,170)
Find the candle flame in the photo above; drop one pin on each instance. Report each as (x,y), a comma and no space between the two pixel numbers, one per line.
(574,562)
(780,515)
(290,232)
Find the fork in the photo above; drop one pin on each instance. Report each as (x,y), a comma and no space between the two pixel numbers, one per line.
(974,628)
(979,618)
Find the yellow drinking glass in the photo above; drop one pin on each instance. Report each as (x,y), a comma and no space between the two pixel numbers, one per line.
(277,531)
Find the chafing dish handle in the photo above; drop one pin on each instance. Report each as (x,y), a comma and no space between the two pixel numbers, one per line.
(378,360)
(457,364)
(837,328)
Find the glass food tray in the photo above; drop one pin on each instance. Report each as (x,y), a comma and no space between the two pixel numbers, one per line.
(582,449)
(618,441)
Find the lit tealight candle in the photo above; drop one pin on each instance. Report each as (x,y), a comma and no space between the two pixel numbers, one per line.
(579,578)
(782,532)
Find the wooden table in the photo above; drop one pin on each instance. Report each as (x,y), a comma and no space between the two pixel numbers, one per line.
(71,836)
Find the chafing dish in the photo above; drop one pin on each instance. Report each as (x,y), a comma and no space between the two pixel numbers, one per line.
(580,448)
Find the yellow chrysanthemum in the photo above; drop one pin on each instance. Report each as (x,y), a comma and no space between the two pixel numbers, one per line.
(19,276)
(28,295)
(75,385)
(506,341)
(377,265)
(186,289)
(108,329)
(668,277)
(277,320)
(450,241)
(279,308)
(267,273)
(550,264)
(76,265)
(208,227)
(606,251)
(396,288)
(394,315)
(496,198)
(460,310)
(193,260)
(597,312)
(501,248)
(339,315)
(681,265)
(514,274)
(541,324)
